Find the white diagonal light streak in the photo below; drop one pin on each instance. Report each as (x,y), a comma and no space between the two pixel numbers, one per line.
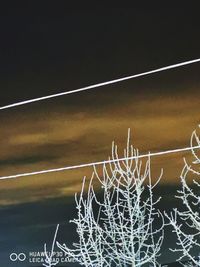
(98,163)
(100,84)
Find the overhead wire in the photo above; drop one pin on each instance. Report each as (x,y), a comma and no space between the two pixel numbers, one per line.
(25,102)
(97,163)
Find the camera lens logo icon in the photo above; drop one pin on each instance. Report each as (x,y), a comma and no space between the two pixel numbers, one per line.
(17,257)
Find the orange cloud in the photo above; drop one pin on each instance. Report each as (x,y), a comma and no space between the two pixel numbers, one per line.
(39,140)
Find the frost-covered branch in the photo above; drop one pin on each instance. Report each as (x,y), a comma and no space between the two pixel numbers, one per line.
(49,262)
(117,227)
(188,230)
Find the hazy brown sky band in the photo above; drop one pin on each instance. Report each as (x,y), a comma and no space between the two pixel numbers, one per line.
(63,135)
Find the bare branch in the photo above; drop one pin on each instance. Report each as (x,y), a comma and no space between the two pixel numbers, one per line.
(118,228)
(190,216)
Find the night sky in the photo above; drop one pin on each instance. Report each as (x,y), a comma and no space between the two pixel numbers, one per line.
(53,49)
(46,49)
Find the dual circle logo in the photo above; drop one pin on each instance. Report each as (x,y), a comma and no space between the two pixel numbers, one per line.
(18,257)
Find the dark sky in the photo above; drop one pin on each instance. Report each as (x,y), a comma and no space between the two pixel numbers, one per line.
(48,49)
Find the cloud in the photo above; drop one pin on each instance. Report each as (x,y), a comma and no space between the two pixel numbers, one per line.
(45,138)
